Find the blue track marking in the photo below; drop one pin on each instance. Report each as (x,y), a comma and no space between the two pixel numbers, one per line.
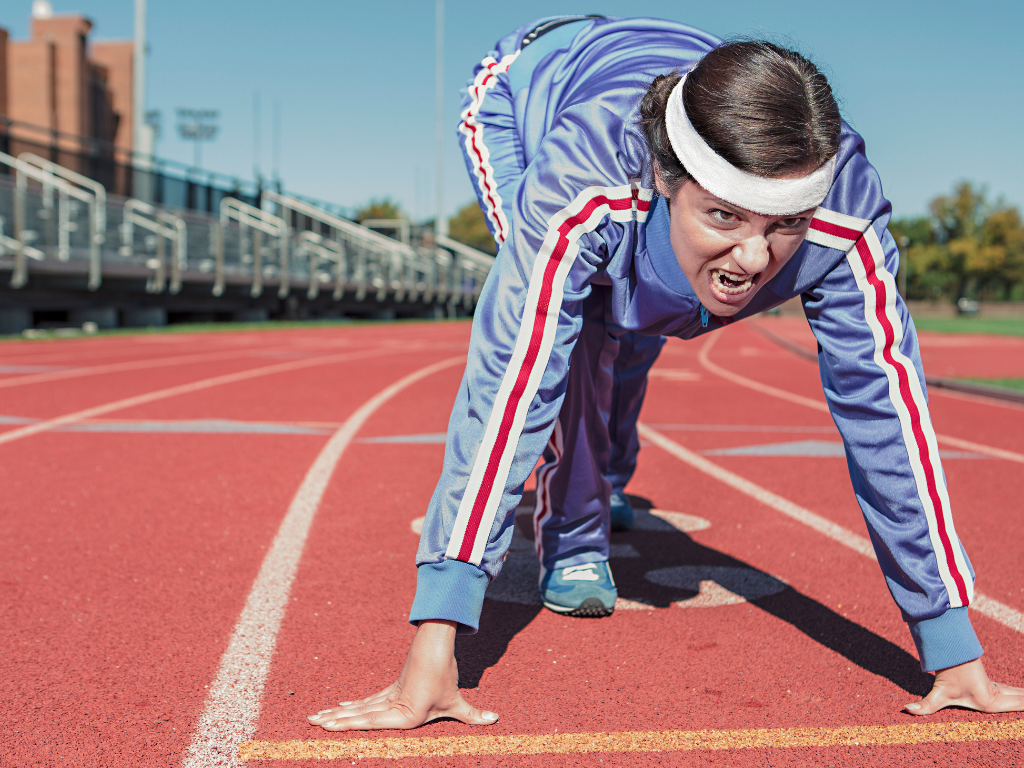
(813,449)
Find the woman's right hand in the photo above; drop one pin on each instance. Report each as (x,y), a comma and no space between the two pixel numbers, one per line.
(427,688)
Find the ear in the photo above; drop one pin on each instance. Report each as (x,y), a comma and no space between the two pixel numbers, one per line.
(659,185)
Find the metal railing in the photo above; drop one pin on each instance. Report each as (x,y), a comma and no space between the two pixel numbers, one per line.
(166,227)
(259,222)
(68,188)
(60,221)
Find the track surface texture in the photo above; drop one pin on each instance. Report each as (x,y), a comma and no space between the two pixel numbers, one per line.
(162,492)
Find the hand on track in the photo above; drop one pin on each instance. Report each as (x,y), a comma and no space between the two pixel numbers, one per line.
(426,689)
(968,685)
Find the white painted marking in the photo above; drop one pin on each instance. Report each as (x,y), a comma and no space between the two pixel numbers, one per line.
(716,585)
(679,520)
(233,706)
(817,405)
(995,610)
(182,389)
(134,365)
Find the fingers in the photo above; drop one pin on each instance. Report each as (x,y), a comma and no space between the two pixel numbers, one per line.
(378,712)
(992,699)
(467,713)
(377,701)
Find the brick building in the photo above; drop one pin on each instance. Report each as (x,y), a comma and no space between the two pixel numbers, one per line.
(59,89)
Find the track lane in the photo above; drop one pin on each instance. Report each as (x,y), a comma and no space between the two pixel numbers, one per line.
(987,479)
(335,641)
(729,656)
(136,509)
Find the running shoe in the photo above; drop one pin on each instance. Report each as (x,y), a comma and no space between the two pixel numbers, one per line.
(622,512)
(579,590)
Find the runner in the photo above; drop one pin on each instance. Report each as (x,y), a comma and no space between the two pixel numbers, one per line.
(645,180)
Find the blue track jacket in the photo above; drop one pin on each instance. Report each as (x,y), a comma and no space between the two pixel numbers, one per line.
(551,138)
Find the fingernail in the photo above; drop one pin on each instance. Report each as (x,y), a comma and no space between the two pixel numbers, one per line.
(489,716)
(344,703)
(913,706)
(312,717)
(333,722)
(323,711)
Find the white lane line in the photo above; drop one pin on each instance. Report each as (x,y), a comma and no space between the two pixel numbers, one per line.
(995,610)
(133,365)
(743,381)
(181,389)
(233,706)
(785,506)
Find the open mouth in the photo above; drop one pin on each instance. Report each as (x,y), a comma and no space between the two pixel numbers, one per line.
(731,284)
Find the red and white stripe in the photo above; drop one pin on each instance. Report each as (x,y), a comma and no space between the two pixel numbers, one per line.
(542,508)
(835,230)
(530,357)
(867,260)
(477,150)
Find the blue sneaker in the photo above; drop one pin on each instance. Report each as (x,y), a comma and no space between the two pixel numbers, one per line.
(622,512)
(579,590)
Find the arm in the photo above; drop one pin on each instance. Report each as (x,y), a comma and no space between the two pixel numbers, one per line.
(871,372)
(526,324)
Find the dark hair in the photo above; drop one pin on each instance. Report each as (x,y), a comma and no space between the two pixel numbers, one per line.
(765,109)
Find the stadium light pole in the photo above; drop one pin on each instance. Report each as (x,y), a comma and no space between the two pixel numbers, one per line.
(142,133)
(440,224)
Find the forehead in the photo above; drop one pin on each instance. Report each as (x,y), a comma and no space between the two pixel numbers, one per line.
(694,193)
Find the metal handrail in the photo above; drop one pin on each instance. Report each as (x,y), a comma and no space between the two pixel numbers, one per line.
(397,257)
(471,260)
(401,226)
(319,247)
(261,222)
(75,178)
(164,225)
(23,172)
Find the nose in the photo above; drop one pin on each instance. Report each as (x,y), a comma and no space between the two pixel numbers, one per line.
(751,254)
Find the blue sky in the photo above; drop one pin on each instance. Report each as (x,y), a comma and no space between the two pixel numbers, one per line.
(934,87)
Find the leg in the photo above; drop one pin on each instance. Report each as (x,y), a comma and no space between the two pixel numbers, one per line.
(636,356)
(571,520)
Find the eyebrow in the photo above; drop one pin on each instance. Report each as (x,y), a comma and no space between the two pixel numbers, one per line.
(717,201)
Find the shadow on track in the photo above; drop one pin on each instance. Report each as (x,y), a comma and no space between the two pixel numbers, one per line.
(657,564)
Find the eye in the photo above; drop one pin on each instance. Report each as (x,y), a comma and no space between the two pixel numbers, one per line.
(793,222)
(723,216)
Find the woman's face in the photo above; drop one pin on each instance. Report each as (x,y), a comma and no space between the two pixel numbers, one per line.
(727,252)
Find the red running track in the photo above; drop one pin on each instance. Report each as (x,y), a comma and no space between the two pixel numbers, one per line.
(130,542)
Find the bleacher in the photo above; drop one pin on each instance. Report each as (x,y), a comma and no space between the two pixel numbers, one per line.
(72,252)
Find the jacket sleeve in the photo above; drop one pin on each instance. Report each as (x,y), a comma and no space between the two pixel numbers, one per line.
(487,134)
(873,380)
(569,212)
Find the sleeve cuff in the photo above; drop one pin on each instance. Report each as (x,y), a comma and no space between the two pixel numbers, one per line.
(451,590)
(945,641)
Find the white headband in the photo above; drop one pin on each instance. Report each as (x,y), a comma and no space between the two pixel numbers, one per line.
(771,197)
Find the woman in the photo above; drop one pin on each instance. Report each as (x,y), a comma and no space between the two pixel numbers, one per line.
(630,204)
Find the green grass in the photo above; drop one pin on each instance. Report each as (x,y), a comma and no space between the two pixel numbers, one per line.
(1002,326)
(1005,383)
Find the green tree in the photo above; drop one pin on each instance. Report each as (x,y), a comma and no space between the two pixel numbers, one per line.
(469,227)
(966,246)
(385,208)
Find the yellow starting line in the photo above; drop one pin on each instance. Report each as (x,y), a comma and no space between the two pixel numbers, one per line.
(631,741)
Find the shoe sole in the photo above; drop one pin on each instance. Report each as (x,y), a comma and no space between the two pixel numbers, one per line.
(591,608)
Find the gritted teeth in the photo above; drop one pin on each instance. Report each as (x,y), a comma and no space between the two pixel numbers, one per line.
(729,282)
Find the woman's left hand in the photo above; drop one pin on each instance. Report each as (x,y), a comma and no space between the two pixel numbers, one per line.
(968,685)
